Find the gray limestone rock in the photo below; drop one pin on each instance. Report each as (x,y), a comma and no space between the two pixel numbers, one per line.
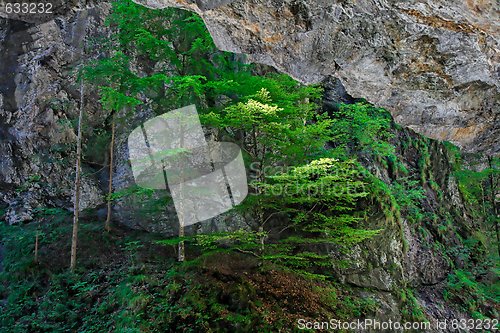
(433,64)
(38,100)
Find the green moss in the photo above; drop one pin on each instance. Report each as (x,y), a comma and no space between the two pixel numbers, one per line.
(127,284)
(474,296)
(411,310)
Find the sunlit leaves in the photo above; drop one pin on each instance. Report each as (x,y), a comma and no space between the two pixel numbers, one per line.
(112,99)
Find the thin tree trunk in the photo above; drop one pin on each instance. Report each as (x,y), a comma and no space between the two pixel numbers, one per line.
(498,235)
(483,196)
(36,247)
(74,237)
(182,249)
(493,202)
(107,225)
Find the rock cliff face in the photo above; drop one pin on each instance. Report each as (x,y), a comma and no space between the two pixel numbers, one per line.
(39,104)
(433,64)
(410,253)
(39,96)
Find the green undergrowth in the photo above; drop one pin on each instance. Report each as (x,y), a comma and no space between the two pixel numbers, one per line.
(125,282)
(411,310)
(476,298)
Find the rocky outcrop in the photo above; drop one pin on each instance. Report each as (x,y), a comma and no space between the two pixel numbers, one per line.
(39,103)
(433,64)
(412,254)
(39,100)
(45,11)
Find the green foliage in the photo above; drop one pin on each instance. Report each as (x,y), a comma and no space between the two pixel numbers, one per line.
(288,131)
(180,299)
(143,193)
(115,100)
(175,51)
(141,29)
(240,239)
(137,289)
(408,195)
(319,199)
(43,296)
(411,308)
(463,287)
(479,187)
(473,185)
(32,180)
(167,37)
(57,214)
(362,128)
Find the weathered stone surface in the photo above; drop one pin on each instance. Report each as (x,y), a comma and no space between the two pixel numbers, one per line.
(435,308)
(39,103)
(39,98)
(433,64)
(44,11)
